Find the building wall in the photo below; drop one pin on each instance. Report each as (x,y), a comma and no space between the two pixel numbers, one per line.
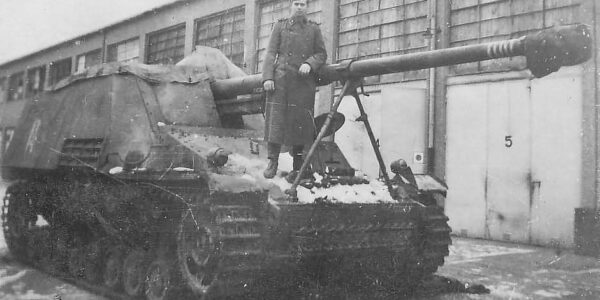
(356,29)
(517,193)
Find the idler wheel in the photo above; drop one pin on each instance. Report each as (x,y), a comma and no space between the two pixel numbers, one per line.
(197,255)
(113,269)
(18,218)
(159,282)
(134,273)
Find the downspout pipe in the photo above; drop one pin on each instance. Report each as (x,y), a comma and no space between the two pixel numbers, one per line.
(433,31)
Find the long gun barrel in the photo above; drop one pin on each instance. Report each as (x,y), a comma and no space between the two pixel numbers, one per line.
(545,51)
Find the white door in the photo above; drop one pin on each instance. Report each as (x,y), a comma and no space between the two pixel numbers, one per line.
(488,160)
(466,157)
(557,157)
(508,184)
(514,158)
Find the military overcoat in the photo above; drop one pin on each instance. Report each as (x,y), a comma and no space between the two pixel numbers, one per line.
(289,109)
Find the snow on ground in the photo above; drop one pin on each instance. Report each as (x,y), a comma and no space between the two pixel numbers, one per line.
(514,271)
(507,290)
(7,279)
(18,282)
(461,253)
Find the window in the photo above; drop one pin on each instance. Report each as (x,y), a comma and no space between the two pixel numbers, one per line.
(478,21)
(166,46)
(2,90)
(36,78)
(89,59)
(224,31)
(125,51)
(16,86)
(60,69)
(270,12)
(377,28)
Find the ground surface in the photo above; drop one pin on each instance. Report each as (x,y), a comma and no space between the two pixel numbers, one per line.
(521,272)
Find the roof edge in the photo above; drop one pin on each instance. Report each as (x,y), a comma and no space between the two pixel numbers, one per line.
(96,31)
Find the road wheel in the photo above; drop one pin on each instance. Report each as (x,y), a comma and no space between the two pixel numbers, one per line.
(113,269)
(134,273)
(159,280)
(197,256)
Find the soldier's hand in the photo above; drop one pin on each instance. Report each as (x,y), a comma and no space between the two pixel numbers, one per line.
(304,69)
(269,85)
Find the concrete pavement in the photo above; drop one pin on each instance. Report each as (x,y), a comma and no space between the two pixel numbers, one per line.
(512,271)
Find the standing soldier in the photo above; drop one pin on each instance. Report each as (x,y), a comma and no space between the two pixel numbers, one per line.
(295,53)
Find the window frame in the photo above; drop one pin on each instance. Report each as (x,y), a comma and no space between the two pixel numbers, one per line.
(314,13)
(29,89)
(116,49)
(359,38)
(96,52)
(3,89)
(223,14)
(151,35)
(10,89)
(54,70)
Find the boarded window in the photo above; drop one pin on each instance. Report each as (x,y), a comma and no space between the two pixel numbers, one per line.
(378,28)
(16,86)
(36,78)
(224,31)
(481,21)
(89,59)
(124,51)
(270,12)
(60,69)
(166,46)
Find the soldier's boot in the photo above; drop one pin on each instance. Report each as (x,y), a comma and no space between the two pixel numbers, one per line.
(271,169)
(297,162)
(296,165)
(273,150)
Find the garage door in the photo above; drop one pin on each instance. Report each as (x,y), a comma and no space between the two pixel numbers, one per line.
(514,159)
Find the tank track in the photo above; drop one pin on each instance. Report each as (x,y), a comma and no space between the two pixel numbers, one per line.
(235,257)
(392,257)
(88,264)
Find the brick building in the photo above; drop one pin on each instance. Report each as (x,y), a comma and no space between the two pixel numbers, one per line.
(520,155)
